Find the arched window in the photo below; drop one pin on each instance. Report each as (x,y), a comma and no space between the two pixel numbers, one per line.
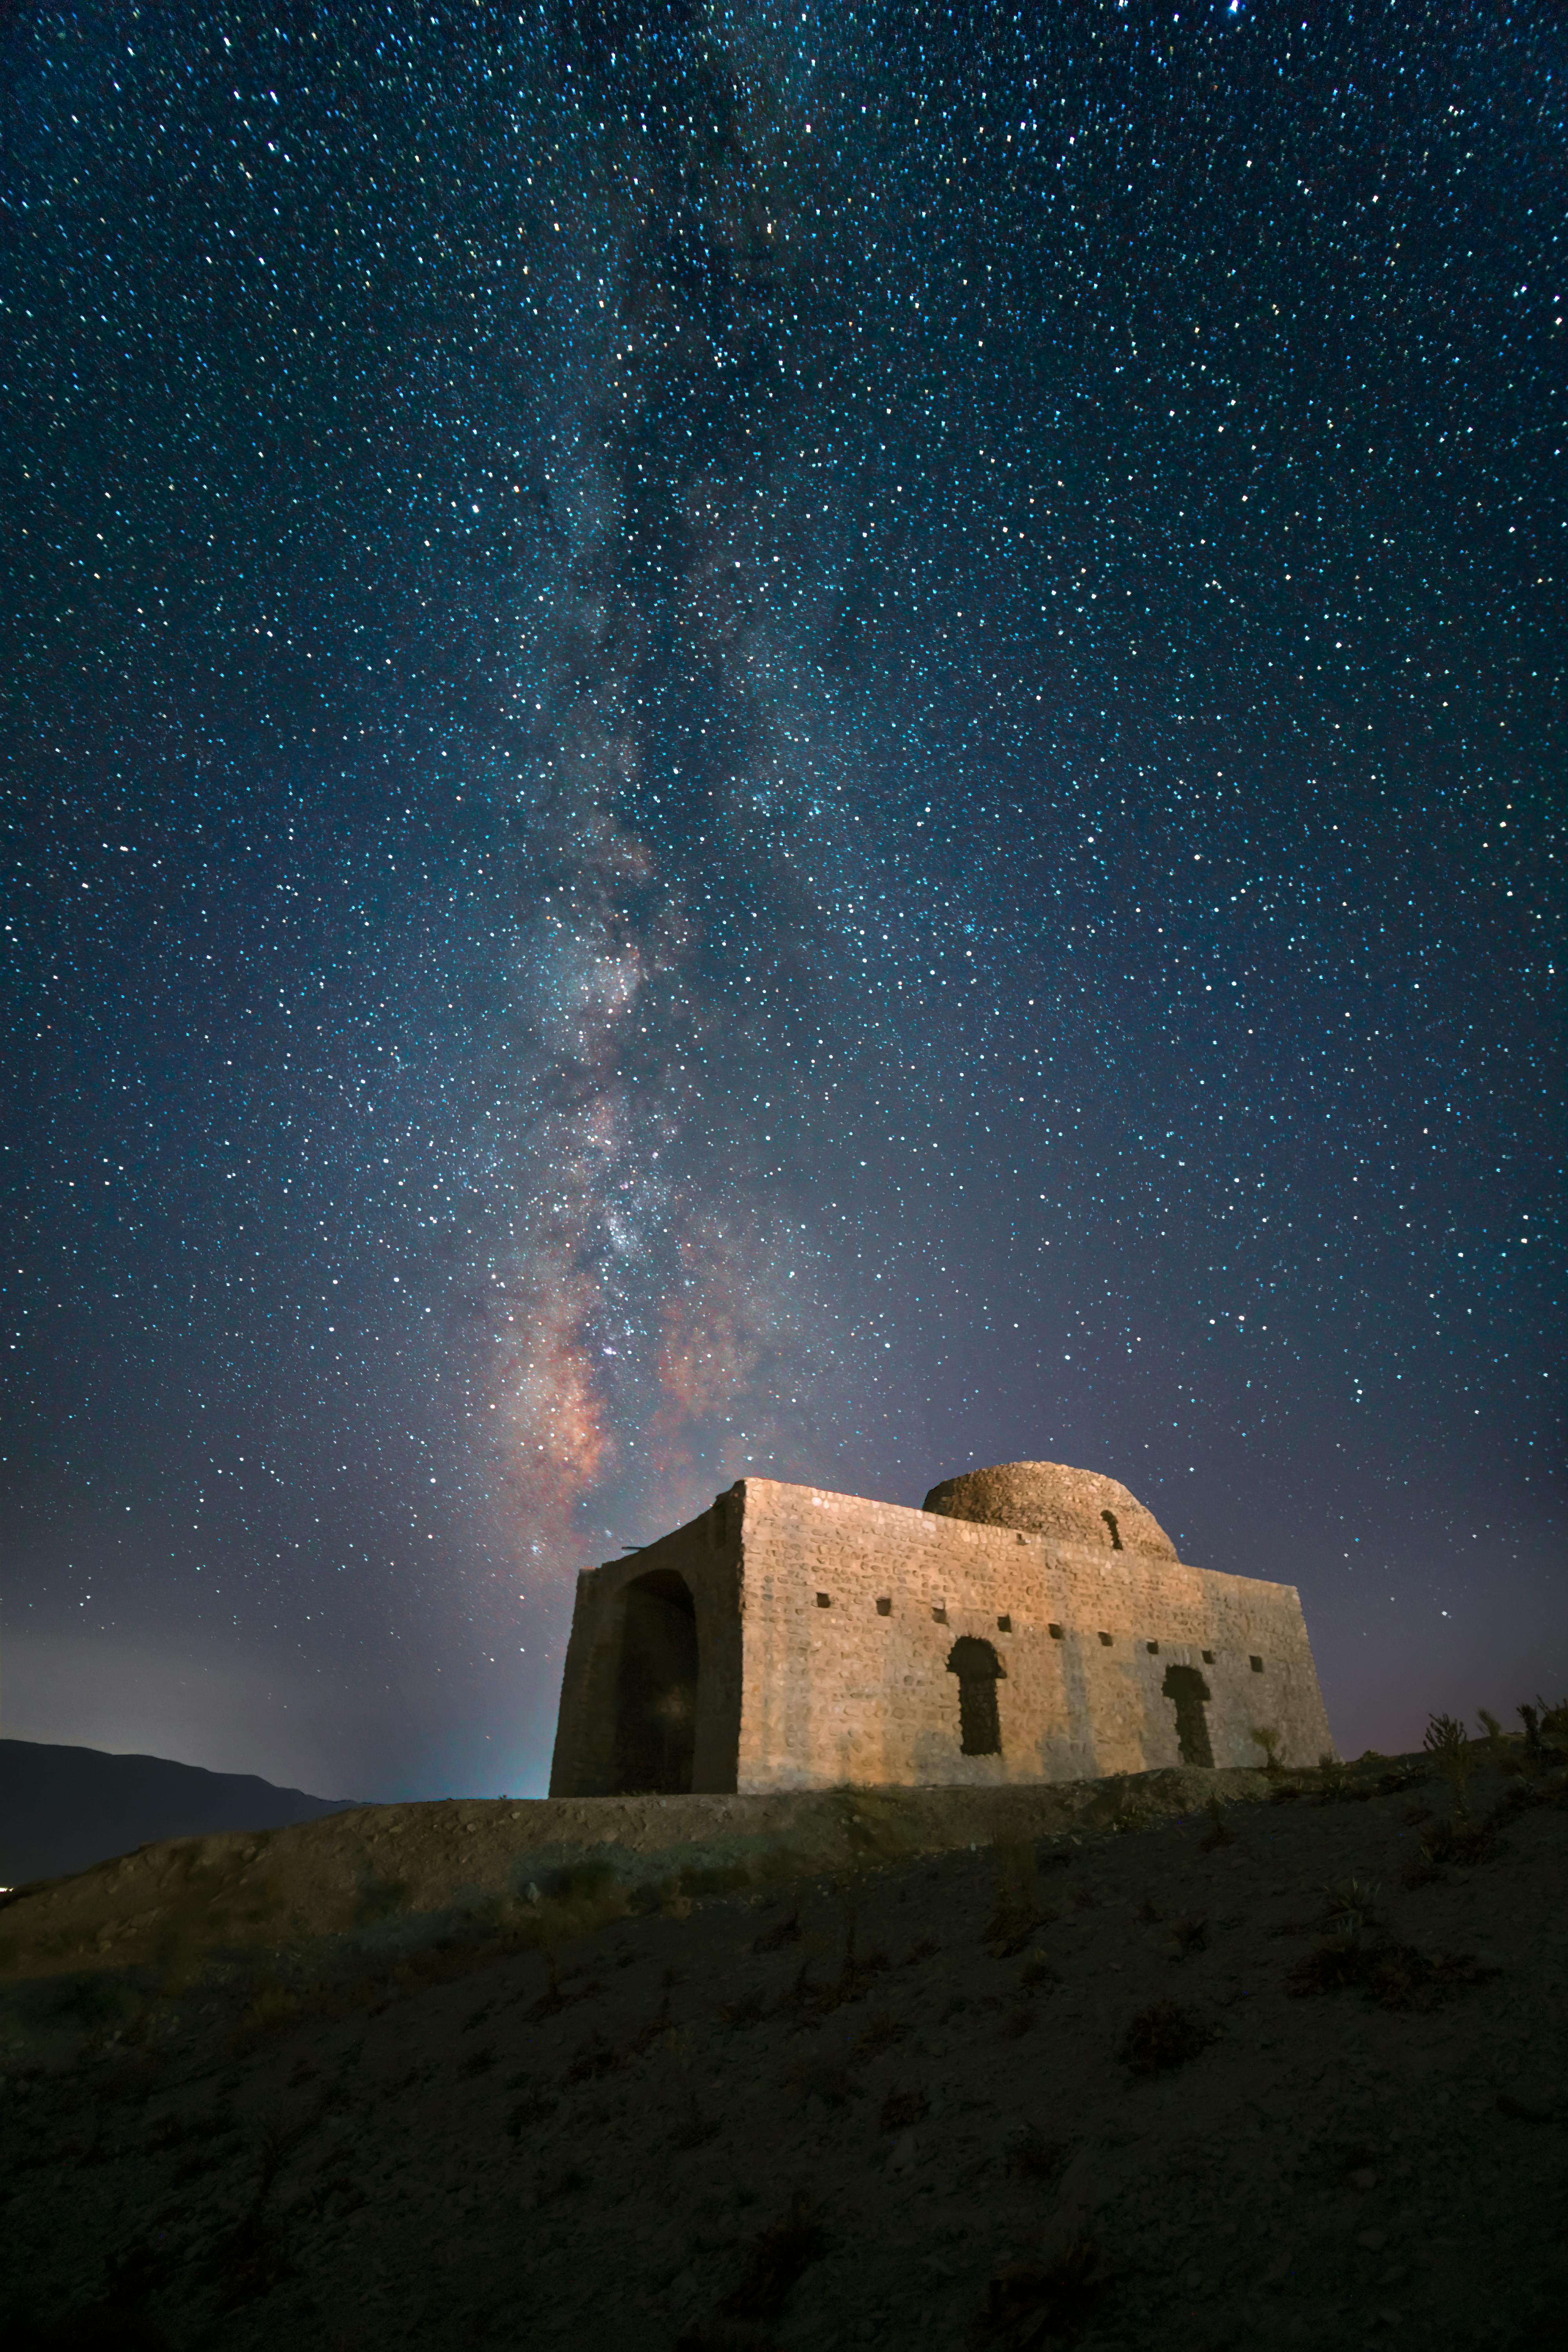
(979,1670)
(1189,1694)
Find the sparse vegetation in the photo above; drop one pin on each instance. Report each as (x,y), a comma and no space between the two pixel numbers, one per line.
(776,2261)
(1163,2037)
(1219,1831)
(1039,2306)
(1016,1910)
(1350,1906)
(1035,2158)
(1391,1975)
(1266,1736)
(484,2093)
(774,1938)
(903,2109)
(1448,1744)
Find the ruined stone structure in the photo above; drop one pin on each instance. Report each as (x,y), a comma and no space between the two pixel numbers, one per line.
(1032,1622)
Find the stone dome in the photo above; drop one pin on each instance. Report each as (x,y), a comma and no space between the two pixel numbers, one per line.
(1048,1498)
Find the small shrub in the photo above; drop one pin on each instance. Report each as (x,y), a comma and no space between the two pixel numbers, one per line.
(593,2059)
(1553,1731)
(1163,2037)
(1455,1843)
(1132,1817)
(824,2074)
(1034,2158)
(1189,1936)
(1042,2304)
(536,2106)
(881,2033)
(696,2128)
(1016,1910)
(774,2262)
(746,2008)
(566,2181)
(1448,1744)
(901,2110)
(774,1939)
(552,1999)
(1391,1975)
(380,1899)
(700,1879)
(1219,1831)
(1266,1736)
(1350,1907)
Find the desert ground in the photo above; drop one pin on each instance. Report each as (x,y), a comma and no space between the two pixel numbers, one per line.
(1188,2060)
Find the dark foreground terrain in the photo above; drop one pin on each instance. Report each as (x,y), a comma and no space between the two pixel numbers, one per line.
(1291,2071)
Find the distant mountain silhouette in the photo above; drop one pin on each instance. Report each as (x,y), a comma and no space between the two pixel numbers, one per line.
(62,1808)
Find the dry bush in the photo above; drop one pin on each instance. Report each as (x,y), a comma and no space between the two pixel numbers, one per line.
(774,2262)
(1163,2037)
(1448,1743)
(1391,1975)
(774,1938)
(1034,2158)
(901,2110)
(1039,2306)
(1350,1906)
(824,2075)
(1219,1831)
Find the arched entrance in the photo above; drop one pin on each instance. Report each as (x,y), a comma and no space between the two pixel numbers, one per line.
(1189,1694)
(656,1692)
(978,1669)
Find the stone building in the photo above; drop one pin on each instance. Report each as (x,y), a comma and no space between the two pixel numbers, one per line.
(1031,1623)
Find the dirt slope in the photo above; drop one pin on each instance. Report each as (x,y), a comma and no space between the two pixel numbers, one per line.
(1116,2086)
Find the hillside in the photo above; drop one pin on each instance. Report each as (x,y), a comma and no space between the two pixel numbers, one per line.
(1290,2068)
(63,1808)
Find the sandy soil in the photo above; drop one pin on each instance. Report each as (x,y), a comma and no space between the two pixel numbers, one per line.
(1131,2084)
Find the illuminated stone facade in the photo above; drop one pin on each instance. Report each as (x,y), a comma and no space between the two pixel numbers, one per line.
(1033,1622)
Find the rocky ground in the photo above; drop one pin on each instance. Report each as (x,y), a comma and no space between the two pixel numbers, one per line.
(1293,2071)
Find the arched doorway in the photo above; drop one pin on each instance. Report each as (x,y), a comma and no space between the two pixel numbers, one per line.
(656,1692)
(1189,1694)
(978,1669)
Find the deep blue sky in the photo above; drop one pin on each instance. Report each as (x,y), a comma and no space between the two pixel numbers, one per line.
(813,740)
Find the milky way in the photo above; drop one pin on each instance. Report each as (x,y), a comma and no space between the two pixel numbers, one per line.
(808,740)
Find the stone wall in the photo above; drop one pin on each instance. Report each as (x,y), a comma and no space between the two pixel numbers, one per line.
(825,1624)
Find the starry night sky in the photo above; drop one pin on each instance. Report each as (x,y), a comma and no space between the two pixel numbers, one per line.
(811,740)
